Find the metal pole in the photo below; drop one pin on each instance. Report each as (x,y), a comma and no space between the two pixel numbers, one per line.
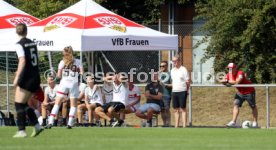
(108,62)
(169,17)
(160,53)
(93,63)
(190,107)
(201,73)
(7,85)
(173,22)
(81,56)
(81,62)
(50,60)
(172,17)
(169,31)
(267,107)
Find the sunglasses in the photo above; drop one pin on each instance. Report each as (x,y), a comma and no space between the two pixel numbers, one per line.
(163,66)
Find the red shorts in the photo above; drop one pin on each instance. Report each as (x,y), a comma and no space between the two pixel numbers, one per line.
(39,95)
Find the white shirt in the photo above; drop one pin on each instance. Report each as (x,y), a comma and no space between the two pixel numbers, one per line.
(51,93)
(69,77)
(82,87)
(179,78)
(134,95)
(94,95)
(108,92)
(120,93)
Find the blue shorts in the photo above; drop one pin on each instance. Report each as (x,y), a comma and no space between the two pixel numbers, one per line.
(144,108)
(166,102)
(250,98)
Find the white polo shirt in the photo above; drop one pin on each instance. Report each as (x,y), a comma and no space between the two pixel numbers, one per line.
(179,78)
(120,93)
(108,92)
(94,95)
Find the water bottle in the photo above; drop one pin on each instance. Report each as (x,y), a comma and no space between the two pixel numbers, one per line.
(153,121)
(143,123)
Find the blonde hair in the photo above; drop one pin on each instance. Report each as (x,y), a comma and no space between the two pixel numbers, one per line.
(68,59)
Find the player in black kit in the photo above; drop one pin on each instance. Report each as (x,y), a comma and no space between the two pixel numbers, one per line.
(26,82)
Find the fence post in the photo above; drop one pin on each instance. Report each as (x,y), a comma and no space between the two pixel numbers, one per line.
(190,107)
(267,107)
(7,85)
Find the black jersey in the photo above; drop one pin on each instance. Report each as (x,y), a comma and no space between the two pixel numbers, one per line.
(29,79)
(153,90)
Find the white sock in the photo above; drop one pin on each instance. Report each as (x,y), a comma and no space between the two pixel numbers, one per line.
(53,114)
(37,113)
(72,115)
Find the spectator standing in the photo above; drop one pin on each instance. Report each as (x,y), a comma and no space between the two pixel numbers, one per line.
(180,86)
(165,80)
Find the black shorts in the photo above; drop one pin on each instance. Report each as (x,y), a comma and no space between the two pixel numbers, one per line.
(250,98)
(30,83)
(98,104)
(179,99)
(116,105)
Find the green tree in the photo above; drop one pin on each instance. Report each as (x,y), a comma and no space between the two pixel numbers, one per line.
(41,8)
(241,31)
(142,11)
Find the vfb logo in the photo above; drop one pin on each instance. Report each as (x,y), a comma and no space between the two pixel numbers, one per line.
(112,23)
(118,41)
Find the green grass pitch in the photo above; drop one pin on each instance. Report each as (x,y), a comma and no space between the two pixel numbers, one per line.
(128,138)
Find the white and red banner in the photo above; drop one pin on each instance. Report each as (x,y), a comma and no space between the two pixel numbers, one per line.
(9,18)
(87,26)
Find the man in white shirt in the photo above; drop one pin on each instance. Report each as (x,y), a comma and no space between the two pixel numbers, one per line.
(119,102)
(180,85)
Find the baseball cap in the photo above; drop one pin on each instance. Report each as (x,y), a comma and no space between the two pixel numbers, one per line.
(232,65)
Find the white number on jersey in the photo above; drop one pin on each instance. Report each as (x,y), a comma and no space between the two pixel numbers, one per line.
(33,57)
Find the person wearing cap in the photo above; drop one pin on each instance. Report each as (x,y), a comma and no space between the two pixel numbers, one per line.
(235,76)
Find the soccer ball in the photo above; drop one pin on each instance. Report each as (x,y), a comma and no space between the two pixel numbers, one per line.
(246,124)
